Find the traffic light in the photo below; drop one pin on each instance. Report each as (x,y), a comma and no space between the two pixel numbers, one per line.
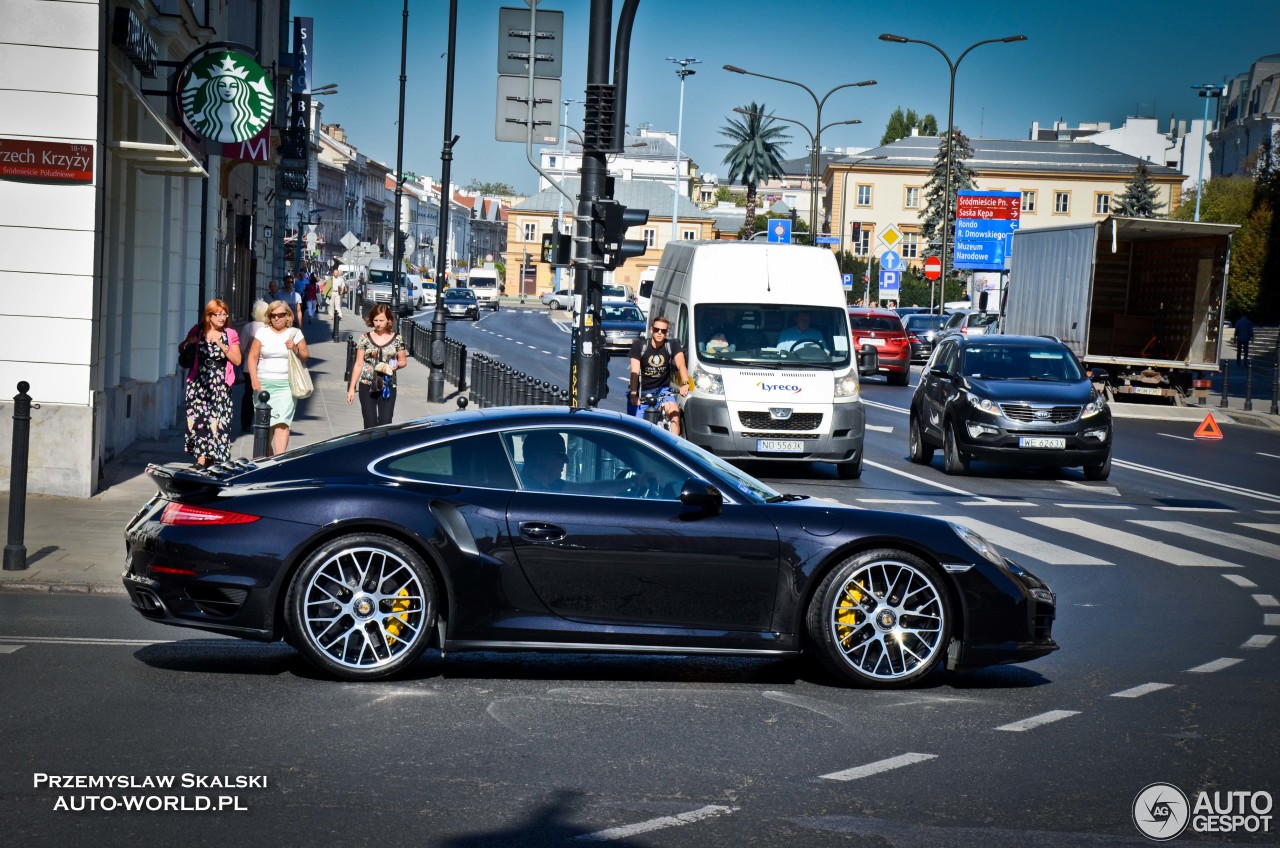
(555,248)
(611,220)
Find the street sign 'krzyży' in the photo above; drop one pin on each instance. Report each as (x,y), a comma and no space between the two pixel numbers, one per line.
(57,161)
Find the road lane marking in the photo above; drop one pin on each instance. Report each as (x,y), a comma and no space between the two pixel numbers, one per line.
(661,823)
(1258,641)
(1268,455)
(72,640)
(1038,720)
(1093,488)
(1093,506)
(1242,582)
(1217,537)
(892,501)
(1046,552)
(1171,436)
(859,772)
(9,649)
(878,405)
(1194,509)
(878,428)
(993,502)
(1131,542)
(1196,481)
(1266,600)
(1139,691)
(1269,528)
(1216,665)
(1271,619)
(944,487)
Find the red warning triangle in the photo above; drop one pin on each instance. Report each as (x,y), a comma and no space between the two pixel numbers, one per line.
(1208,428)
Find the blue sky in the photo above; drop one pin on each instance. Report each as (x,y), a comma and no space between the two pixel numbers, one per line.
(1083,61)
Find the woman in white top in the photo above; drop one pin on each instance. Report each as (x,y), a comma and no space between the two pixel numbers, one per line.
(268,365)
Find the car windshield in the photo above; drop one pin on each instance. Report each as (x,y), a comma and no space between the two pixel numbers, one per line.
(878,323)
(761,335)
(621,313)
(1016,362)
(743,483)
(379,277)
(459,294)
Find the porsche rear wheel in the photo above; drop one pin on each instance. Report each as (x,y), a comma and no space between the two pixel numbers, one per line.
(362,607)
(881,619)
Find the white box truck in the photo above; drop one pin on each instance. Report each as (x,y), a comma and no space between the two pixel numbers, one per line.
(765,329)
(1138,298)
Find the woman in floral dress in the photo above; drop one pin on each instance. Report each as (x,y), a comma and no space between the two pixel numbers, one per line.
(208,385)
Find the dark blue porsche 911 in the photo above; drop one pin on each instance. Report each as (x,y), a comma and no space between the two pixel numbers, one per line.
(546,529)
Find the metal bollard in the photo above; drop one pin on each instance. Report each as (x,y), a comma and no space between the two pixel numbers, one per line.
(261,425)
(1226,379)
(337,319)
(15,552)
(1275,382)
(1248,385)
(351,361)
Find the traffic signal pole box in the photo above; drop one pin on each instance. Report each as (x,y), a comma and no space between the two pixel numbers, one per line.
(601,223)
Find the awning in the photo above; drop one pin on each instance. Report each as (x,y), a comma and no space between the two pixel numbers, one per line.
(172,159)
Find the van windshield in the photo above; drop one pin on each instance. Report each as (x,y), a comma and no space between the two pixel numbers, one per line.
(752,334)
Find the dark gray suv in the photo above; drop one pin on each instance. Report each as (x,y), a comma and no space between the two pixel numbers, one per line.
(1014,399)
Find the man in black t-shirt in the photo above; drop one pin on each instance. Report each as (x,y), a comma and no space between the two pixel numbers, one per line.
(652,361)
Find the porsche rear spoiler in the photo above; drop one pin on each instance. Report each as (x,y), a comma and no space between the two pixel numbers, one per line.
(183,481)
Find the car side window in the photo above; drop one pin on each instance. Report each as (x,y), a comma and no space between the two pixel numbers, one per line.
(477,461)
(582,461)
(946,358)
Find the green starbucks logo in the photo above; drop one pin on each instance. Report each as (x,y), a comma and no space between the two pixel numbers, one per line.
(227,97)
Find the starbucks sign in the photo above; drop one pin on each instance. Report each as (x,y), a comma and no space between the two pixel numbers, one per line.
(226,97)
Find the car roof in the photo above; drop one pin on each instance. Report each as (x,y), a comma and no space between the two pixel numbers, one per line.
(1009,341)
(873,311)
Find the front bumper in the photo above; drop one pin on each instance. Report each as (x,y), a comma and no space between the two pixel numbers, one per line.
(713,426)
(1021,630)
(1000,443)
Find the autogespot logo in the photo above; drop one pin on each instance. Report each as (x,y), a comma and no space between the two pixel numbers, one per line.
(1160,811)
(786,388)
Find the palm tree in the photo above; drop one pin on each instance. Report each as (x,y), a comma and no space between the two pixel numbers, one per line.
(754,154)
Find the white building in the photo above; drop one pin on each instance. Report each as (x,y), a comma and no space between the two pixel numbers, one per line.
(1250,112)
(1181,147)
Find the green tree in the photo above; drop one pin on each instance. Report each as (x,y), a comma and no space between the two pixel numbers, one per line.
(1139,199)
(498,189)
(723,194)
(1267,196)
(936,189)
(902,123)
(1226,200)
(755,152)
(1248,261)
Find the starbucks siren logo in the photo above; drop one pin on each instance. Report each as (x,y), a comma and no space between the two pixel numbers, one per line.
(226,97)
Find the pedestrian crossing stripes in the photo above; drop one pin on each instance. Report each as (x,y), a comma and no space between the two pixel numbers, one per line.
(1132,542)
(1230,540)
(1271,619)
(1002,537)
(1242,582)
(1258,641)
(1144,689)
(1216,665)
(9,649)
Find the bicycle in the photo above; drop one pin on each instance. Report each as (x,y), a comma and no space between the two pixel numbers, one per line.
(650,409)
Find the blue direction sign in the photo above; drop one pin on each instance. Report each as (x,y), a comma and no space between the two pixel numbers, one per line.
(891,261)
(780,230)
(985,224)
(828,239)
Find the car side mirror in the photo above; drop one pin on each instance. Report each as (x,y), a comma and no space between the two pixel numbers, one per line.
(1099,375)
(701,494)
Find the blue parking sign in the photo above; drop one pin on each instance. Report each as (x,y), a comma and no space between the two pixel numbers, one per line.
(848,280)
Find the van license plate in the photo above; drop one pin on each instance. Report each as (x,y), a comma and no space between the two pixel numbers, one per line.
(1041,442)
(1147,390)
(779,446)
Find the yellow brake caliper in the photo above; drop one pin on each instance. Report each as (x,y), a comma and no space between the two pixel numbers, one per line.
(847,619)
(393,626)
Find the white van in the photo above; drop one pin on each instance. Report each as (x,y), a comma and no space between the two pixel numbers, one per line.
(484,282)
(647,278)
(765,329)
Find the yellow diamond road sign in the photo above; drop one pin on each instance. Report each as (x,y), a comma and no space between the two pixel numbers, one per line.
(890,236)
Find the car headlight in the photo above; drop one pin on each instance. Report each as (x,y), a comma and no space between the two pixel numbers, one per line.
(847,385)
(707,382)
(984,405)
(980,546)
(1094,406)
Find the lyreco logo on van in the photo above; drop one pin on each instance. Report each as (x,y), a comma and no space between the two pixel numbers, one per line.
(779,388)
(793,387)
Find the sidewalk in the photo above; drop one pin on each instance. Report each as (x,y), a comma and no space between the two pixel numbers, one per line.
(77,545)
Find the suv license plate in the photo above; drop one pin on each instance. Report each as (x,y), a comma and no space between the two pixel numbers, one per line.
(1041,442)
(779,446)
(1147,390)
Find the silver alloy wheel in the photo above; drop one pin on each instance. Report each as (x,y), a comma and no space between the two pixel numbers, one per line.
(888,620)
(364,607)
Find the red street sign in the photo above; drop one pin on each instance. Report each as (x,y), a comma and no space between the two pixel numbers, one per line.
(932,268)
(54,161)
(990,205)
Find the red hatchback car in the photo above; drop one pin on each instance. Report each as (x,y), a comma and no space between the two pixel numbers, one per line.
(882,328)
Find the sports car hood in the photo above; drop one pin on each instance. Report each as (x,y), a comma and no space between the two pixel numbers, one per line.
(1032,391)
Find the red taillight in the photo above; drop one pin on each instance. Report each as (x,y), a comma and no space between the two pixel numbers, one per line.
(164,569)
(185,515)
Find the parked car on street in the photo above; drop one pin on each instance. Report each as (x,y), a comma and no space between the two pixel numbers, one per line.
(968,322)
(1013,399)
(922,332)
(621,323)
(548,529)
(461,303)
(882,328)
(558,299)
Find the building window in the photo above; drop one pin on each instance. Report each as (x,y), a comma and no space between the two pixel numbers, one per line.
(1029,202)
(650,237)
(1102,204)
(910,245)
(912,200)
(1061,202)
(863,196)
(531,231)
(551,162)
(689,235)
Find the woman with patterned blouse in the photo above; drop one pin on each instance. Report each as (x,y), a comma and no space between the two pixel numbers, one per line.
(380,353)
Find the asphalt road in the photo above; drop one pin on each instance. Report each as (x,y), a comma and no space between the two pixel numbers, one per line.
(1167,577)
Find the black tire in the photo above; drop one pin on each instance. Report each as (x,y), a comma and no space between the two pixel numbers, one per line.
(553,304)
(1098,472)
(900,379)
(881,619)
(851,470)
(921,452)
(954,461)
(391,616)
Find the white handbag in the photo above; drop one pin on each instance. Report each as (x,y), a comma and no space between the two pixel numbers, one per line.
(299,380)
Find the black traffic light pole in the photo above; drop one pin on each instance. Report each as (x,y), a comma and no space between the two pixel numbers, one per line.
(603,129)
(435,384)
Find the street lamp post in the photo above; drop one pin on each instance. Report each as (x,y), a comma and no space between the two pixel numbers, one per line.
(951,110)
(1208,91)
(435,384)
(683,71)
(816,138)
(813,148)
(564,154)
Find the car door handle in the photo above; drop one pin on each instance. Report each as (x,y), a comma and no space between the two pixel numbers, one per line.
(537,531)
